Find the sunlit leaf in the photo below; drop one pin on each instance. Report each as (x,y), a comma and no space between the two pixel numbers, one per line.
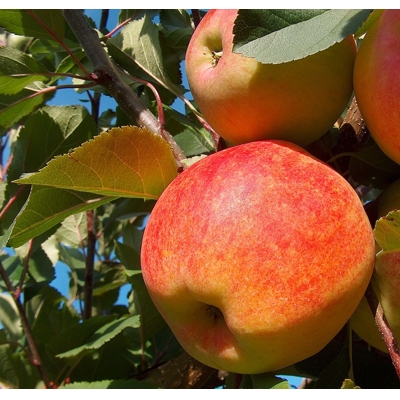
(139,41)
(14,62)
(367,23)
(387,232)
(116,384)
(278,36)
(123,162)
(349,384)
(23,22)
(9,317)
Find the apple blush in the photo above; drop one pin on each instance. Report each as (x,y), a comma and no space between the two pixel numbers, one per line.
(256,256)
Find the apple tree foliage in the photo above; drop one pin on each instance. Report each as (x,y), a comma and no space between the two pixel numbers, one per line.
(77,185)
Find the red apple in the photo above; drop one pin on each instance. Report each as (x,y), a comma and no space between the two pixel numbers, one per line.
(377,82)
(256,256)
(385,282)
(244,100)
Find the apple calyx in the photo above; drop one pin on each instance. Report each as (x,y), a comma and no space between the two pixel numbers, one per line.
(216,55)
(214,313)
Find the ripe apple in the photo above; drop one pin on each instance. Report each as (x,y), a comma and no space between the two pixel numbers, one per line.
(385,282)
(244,100)
(256,256)
(377,82)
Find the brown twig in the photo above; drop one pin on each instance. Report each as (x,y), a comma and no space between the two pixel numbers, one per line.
(196,17)
(353,134)
(384,328)
(35,357)
(89,268)
(18,291)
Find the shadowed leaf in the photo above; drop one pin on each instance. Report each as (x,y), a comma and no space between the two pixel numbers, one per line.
(46,207)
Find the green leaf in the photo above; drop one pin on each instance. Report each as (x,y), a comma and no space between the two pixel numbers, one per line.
(14,269)
(367,23)
(123,162)
(371,167)
(77,334)
(269,381)
(278,36)
(387,232)
(40,267)
(349,384)
(151,320)
(13,62)
(49,132)
(50,314)
(13,108)
(177,28)
(46,207)
(104,334)
(129,257)
(139,41)
(9,318)
(192,138)
(73,230)
(113,384)
(27,22)
(17,370)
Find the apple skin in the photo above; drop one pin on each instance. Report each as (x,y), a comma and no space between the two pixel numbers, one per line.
(377,82)
(244,100)
(257,256)
(385,282)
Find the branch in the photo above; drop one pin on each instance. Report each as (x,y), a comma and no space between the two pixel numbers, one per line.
(106,74)
(384,328)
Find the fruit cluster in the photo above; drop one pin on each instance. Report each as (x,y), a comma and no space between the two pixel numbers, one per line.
(258,255)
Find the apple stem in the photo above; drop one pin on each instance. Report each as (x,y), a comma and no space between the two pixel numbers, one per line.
(384,328)
(353,134)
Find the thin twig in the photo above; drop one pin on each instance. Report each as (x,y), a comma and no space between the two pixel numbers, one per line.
(89,259)
(196,17)
(35,358)
(60,42)
(384,328)
(18,291)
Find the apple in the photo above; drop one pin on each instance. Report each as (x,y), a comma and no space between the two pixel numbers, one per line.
(377,82)
(256,256)
(385,282)
(244,100)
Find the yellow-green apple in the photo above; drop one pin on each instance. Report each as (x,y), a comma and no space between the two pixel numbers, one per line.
(377,82)
(256,256)
(244,100)
(385,282)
